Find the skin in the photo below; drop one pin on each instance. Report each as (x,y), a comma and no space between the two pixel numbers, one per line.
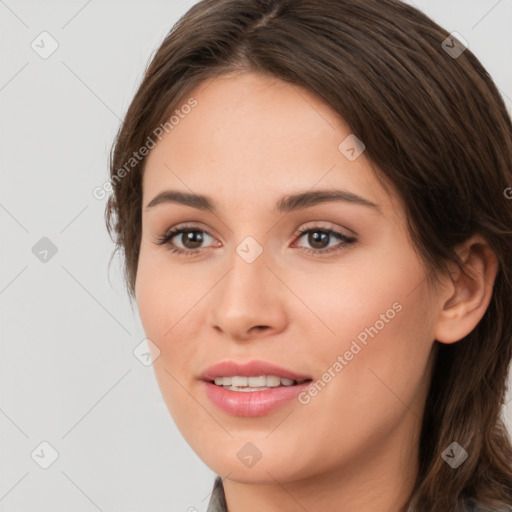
(250,140)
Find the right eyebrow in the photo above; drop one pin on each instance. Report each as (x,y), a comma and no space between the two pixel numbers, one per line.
(193,200)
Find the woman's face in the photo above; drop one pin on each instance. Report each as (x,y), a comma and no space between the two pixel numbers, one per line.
(351,310)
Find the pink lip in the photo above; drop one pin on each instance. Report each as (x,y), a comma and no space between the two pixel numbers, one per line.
(251,403)
(250,369)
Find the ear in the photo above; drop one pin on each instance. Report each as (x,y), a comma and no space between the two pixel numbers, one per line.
(468,293)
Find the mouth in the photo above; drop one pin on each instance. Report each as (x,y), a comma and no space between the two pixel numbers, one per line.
(254,388)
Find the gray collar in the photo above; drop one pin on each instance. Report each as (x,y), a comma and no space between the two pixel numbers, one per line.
(218,499)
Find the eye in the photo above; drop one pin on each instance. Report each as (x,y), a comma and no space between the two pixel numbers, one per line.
(319,238)
(192,238)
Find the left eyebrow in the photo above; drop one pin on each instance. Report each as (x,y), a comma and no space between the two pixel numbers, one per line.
(311,198)
(285,204)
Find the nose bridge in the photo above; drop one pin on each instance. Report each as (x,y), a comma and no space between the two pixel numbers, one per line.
(247,296)
(247,278)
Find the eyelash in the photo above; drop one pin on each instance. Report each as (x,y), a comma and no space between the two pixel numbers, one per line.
(167,237)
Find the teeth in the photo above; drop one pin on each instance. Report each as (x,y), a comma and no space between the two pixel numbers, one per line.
(263,381)
(226,381)
(239,381)
(257,382)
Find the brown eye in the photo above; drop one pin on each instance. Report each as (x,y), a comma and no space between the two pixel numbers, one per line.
(319,239)
(191,239)
(185,240)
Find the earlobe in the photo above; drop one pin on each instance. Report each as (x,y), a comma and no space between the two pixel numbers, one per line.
(470,291)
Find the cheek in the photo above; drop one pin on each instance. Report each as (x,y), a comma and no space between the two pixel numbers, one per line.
(384,339)
(376,317)
(342,300)
(379,381)
(164,304)
(164,295)
(169,302)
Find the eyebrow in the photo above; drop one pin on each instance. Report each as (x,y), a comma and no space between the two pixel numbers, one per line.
(284,205)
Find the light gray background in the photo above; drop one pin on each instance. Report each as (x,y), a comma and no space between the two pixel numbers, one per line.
(68,375)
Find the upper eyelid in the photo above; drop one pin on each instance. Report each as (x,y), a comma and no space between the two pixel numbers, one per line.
(308,225)
(311,225)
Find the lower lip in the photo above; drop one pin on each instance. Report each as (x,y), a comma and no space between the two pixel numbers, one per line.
(252,403)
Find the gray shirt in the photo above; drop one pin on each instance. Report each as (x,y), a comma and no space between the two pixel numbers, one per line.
(218,499)
(218,502)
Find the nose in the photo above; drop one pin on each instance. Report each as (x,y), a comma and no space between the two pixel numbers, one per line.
(249,302)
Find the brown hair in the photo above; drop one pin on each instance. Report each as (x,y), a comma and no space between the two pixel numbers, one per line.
(435,128)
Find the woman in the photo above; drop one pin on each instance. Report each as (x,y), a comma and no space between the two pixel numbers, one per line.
(310,196)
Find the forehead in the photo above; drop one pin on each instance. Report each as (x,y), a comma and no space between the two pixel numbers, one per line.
(254,136)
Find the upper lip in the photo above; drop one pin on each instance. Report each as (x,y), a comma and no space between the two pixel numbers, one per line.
(249,369)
